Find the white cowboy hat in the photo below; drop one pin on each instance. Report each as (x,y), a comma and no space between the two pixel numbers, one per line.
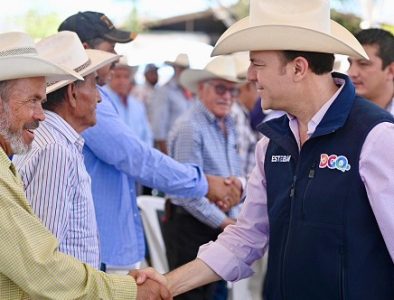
(221,67)
(19,59)
(182,60)
(302,25)
(72,55)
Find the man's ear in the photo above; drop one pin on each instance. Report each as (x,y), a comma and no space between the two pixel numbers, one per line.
(86,45)
(390,69)
(299,68)
(71,96)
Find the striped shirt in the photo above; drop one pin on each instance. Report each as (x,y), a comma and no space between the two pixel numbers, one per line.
(197,138)
(31,267)
(59,188)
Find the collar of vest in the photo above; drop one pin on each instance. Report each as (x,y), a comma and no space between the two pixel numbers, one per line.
(334,118)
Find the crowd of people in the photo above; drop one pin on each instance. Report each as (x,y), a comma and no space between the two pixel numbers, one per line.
(309,188)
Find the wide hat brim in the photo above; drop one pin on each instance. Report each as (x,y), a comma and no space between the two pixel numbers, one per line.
(177,64)
(16,67)
(190,78)
(97,59)
(241,36)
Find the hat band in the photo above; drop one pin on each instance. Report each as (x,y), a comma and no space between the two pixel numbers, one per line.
(18,51)
(83,66)
(77,69)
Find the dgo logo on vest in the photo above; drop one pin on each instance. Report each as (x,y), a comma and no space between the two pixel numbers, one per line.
(333,161)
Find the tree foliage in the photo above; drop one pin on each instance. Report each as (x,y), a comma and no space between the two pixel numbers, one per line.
(39,25)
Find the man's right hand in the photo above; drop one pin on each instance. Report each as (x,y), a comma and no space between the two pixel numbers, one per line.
(225,192)
(152,290)
(151,284)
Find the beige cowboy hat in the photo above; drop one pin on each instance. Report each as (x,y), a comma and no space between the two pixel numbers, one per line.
(302,25)
(72,55)
(19,59)
(221,67)
(181,60)
(123,62)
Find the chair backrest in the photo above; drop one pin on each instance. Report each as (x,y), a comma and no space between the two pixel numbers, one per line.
(152,208)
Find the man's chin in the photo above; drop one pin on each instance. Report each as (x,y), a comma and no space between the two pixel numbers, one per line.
(20,147)
(21,150)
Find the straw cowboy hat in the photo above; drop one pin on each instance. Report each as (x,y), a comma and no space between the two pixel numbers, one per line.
(221,67)
(72,55)
(302,25)
(182,60)
(19,59)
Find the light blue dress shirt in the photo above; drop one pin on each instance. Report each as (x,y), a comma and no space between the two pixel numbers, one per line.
(134,115)
(115,160)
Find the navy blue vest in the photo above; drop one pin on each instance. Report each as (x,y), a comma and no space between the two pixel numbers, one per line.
(325,243)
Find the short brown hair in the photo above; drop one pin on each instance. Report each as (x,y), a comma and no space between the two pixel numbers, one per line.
(319,63)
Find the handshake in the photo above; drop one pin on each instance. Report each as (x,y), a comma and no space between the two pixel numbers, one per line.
(224,192)
(151,285)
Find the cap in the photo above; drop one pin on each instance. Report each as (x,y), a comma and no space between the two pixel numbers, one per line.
(90,25)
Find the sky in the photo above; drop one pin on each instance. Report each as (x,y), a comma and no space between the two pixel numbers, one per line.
(117,10)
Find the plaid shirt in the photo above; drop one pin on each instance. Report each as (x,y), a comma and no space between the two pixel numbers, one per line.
(246,137)
(197,138)
(168,103)
(31,265)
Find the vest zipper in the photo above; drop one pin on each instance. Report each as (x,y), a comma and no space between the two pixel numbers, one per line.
(311,175)
(292,196)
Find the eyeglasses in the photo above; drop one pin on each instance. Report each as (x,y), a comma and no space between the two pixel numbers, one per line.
(221,89)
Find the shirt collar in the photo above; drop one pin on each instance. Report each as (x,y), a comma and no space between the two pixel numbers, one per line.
(4,159)
(390,107)
(316,119)
(60,125)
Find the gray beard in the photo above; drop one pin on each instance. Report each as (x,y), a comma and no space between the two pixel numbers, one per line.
(15,139)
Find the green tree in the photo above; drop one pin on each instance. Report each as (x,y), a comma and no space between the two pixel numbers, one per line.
(133,22)
(39,25)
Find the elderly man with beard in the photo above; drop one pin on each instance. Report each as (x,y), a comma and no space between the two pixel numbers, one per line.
(31,266)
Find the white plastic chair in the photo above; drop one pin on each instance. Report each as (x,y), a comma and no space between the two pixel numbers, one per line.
(151,207)
(239,290)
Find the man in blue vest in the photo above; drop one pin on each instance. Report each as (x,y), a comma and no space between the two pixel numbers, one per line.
(321,194)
